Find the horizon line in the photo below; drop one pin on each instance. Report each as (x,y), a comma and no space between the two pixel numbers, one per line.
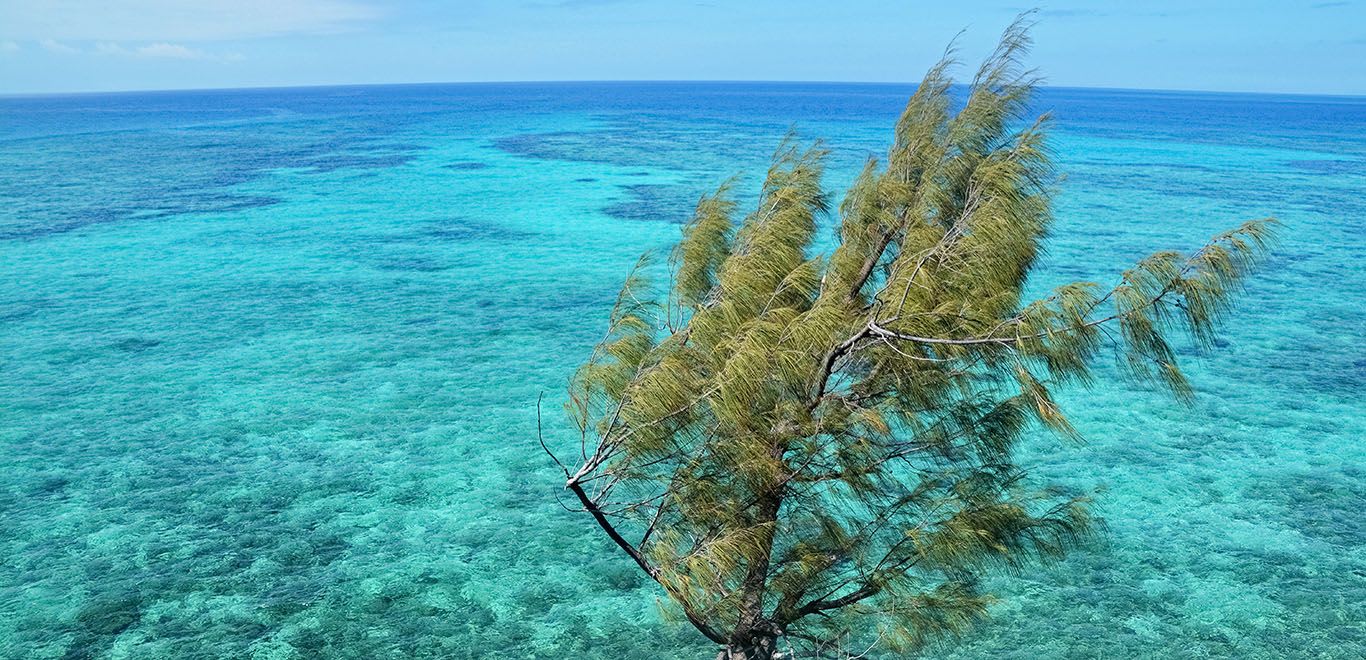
(18,95)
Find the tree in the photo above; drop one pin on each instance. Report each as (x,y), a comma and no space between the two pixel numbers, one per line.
(798,448)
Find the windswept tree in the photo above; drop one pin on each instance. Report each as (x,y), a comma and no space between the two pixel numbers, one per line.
(802,448)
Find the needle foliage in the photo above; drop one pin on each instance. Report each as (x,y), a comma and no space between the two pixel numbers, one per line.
(799,448)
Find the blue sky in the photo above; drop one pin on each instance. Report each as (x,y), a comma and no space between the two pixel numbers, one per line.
(1309,46)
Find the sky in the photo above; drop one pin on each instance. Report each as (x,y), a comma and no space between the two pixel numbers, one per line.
(1291,46)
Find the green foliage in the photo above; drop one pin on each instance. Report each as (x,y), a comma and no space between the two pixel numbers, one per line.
(800,446)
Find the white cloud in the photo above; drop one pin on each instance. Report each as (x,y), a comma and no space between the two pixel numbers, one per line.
(178,20)
(53,46)
(173,51)
(162,50)
(8,47)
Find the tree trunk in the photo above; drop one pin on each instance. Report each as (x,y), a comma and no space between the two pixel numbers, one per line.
(755,637)
(763,647)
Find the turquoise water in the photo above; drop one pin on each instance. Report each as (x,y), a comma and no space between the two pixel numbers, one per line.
(269,363)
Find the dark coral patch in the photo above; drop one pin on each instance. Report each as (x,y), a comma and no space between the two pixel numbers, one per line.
(467,165)
(1329,167)
(653,202)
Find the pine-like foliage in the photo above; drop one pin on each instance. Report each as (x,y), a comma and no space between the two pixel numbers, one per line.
(797,447)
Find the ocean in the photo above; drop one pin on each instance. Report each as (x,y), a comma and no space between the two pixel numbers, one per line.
(269,363)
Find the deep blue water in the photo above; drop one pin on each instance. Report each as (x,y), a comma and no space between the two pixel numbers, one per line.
(269,362)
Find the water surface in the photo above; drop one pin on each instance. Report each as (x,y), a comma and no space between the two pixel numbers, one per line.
(269,362)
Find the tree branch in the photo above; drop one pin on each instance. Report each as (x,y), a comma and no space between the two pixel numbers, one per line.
(634,553)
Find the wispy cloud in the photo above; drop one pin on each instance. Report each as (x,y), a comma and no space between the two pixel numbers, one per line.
(161,50)
(54,46)
(173,51)
(9,47)
(178,20)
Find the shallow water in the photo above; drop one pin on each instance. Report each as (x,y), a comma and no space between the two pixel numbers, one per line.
(269,362)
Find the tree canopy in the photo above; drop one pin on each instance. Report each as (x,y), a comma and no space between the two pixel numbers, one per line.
(797,447)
